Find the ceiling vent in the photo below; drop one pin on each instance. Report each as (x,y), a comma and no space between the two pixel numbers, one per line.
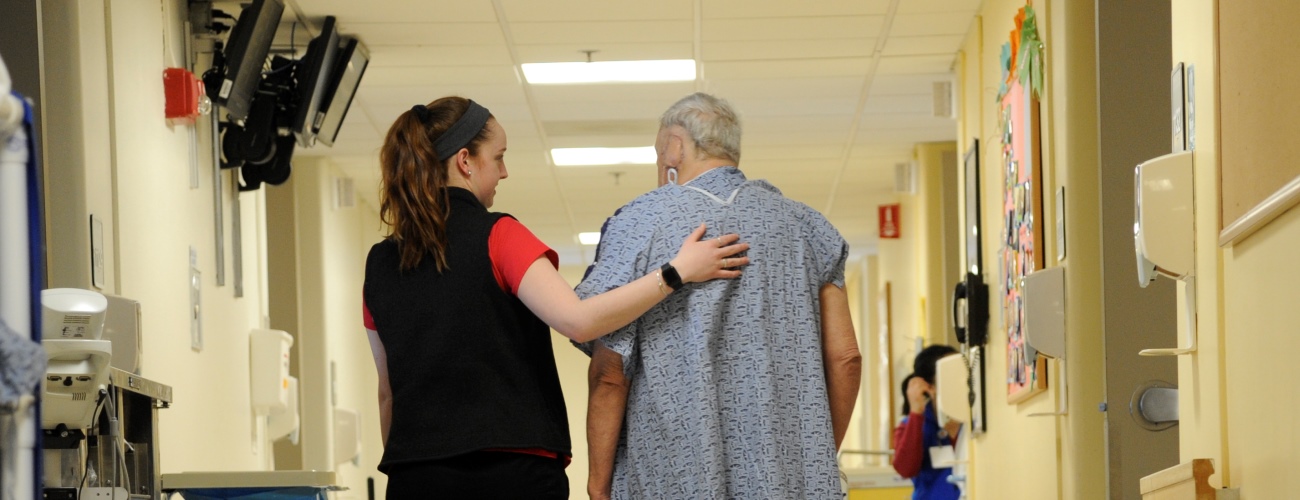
(905,177)
(944,106)
(345,193)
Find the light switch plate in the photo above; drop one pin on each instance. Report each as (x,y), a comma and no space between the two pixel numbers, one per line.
(1060,223)
(1189,107)
(97,251)
(196,286)
(1177,111)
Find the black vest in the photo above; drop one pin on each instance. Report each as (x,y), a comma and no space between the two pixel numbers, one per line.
(469,365)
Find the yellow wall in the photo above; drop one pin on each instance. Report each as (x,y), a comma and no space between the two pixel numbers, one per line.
(1259,278)
(1235,403)
(935,161)
(1200,375)
(1023,456)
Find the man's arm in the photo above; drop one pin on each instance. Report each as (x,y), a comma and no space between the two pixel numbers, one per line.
(385,391)
(840,357)
(606,405)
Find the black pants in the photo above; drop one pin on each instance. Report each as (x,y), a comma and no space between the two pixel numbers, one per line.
(483,474)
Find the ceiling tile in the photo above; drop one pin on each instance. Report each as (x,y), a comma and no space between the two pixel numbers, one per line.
(783,89)
(442,56)
(946,45)
(749,9)
(804,68)
(606,10)
(937,23)
(595,33)
(668,92)
(431,75)
(800,28)
(906,135)
(914,84)
(631,108)
(488,94)
(911,65)
(608,51)
(417,33)
(938,6)
(907,121)
(757,152)
(755,50)
(397,11)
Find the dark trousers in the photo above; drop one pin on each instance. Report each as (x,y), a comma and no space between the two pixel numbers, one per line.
(483,474)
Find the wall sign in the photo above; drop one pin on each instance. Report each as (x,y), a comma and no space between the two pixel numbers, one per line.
(890,228)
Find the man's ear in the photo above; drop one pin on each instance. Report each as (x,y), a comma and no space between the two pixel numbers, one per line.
(676,148)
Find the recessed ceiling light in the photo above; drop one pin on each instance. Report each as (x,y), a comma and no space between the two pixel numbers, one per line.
(581,157)
(589,238)
(671,70)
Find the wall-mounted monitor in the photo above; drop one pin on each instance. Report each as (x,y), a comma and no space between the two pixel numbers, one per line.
(313,75)
(350,66)
(245,56)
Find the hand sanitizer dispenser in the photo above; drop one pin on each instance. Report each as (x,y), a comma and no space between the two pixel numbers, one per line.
(1164,230)
(268,360)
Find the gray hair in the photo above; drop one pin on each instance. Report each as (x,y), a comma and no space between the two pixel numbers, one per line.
(710,122)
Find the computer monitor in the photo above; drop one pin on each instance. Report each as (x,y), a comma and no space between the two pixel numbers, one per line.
(245,55)
(313,75)
(350,66)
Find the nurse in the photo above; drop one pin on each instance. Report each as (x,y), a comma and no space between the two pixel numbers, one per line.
(457,304)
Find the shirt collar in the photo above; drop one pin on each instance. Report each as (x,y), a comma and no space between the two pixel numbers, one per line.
(719,181)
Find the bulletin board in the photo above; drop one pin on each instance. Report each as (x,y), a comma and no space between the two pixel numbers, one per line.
(1022,251)
(1259,177)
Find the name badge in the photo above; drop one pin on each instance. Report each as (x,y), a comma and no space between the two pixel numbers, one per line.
(942,457)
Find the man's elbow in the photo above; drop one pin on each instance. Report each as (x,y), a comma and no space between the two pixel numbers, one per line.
(849,363)
(606,372)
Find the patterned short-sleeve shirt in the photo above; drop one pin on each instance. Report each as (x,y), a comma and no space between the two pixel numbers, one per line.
(727,395)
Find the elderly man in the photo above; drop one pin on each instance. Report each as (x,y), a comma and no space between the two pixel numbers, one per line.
(732,388)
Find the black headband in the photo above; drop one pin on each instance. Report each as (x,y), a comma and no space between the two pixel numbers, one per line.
(460,133)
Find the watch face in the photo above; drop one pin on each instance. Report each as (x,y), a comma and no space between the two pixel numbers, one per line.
(671,278)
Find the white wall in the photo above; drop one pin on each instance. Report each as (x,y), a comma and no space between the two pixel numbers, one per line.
(335,362)
(104,68)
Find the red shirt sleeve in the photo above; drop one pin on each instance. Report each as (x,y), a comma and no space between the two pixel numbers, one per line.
(513,248)
(909,445)
(366,318)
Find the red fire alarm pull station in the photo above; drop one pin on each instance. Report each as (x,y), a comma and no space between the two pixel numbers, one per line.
(889,225)
(185,97)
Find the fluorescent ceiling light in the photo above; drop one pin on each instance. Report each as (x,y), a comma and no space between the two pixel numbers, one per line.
(589,238)
(672,70)
(579,157)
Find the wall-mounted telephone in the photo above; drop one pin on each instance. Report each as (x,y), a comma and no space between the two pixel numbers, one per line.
(970,310)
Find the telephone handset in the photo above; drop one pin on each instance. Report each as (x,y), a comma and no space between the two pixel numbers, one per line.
(972,326)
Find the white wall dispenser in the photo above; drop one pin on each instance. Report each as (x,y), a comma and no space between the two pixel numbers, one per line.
(1164,232)
(268,360)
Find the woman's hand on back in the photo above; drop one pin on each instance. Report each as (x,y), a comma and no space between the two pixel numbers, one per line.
(703,260)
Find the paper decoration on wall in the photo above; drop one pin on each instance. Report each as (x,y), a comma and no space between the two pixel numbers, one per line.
(1022,56)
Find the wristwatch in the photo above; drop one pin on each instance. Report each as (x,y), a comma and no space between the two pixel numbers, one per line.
(671,278)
